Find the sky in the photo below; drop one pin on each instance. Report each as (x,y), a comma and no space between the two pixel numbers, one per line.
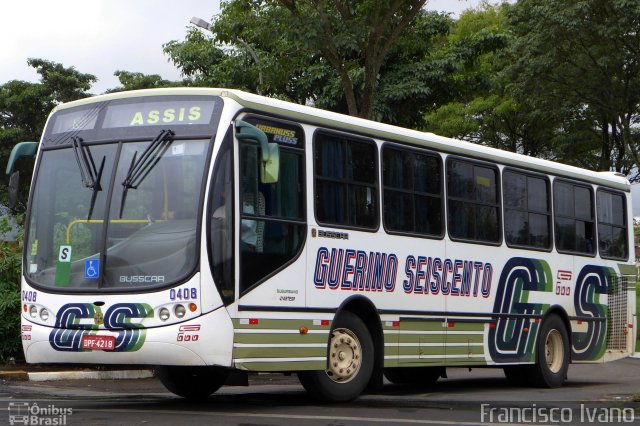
(100,37)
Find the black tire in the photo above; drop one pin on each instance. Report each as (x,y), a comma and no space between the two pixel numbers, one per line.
(422,376)
(192,382)
(350,362)
(552,354)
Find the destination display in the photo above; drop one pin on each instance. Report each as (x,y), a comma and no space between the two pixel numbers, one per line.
(165,111)
(179,112)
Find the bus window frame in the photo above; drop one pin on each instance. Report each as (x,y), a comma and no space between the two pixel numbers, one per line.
(442,194)
(547,180)
(486,164)
(593,217)
(301,150)
(376,171)
(625,220)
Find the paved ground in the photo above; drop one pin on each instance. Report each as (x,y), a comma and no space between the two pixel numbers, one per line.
(280,400)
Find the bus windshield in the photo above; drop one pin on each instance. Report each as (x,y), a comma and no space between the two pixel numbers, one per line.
(117,214)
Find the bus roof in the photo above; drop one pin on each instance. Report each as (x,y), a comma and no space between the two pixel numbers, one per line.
(377,130)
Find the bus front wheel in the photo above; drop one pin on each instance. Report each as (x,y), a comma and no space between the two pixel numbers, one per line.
(552,357)
(191,382)
(349,362)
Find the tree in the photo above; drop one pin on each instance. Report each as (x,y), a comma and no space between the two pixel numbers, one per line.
(582,58)
(353,37)
(24,108)
(137,80)
(335,57)
(483,107)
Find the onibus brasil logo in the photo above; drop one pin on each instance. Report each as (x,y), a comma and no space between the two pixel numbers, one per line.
(27,413)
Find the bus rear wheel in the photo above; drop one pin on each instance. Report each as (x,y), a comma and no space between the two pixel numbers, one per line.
(349,362)
(191,382)
(552,354)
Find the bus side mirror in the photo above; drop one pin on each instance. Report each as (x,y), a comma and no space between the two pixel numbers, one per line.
(23,149)
(270,151)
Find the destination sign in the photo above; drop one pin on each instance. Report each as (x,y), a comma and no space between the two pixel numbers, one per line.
(176,112)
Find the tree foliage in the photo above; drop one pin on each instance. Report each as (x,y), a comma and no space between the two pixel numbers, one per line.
(371,59)
(10,261)
(24,108)
(485,108)
(137,80)
(581,58)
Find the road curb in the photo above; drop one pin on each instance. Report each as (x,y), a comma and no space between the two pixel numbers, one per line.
(17,375)
(75,375)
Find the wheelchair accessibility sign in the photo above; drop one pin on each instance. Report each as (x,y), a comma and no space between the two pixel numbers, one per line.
(91,269)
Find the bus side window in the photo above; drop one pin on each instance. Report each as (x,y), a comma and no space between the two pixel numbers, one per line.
(527,210)
(412,182)
(345,181)
(272,215)
(612,225)
(473,200)
(574,218)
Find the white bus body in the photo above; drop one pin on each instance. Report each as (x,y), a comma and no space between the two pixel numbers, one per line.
(405,250)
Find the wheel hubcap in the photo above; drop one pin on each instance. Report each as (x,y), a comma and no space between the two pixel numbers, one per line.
(345,353)
(554,351)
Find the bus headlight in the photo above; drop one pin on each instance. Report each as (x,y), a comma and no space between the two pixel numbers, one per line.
(33,311)
(180,310)
(44,314)
(164,314)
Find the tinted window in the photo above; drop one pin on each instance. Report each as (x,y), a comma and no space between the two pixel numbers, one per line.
(412,191)
(345,181)
(474,210)
(527,216)
(612,230)
(575,227)
(272,215)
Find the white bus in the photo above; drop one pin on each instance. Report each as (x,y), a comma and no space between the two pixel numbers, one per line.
(211,233)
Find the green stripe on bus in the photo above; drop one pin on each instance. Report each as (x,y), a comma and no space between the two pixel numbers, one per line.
(281,338)
(421,350)
(627,269)
(282,366)
(459,362)
(424,338)
(412,325)
(285,352)
(467,326)
(285,324)
(465,338)
(464,350)
(418,362)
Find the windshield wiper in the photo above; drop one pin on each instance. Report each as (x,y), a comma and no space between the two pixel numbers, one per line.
(89,174)
(141,167)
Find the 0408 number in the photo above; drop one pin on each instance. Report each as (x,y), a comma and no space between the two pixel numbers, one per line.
(187,293)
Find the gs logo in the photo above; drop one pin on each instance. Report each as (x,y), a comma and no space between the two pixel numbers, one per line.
(68,331)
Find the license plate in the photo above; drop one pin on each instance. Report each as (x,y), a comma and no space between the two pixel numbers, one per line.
(105,343)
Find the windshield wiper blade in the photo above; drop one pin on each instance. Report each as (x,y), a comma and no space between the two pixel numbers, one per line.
(84,160)
(139,168)
(89,174)
(96,188)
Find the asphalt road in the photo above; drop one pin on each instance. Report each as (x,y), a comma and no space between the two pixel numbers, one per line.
(593,394)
